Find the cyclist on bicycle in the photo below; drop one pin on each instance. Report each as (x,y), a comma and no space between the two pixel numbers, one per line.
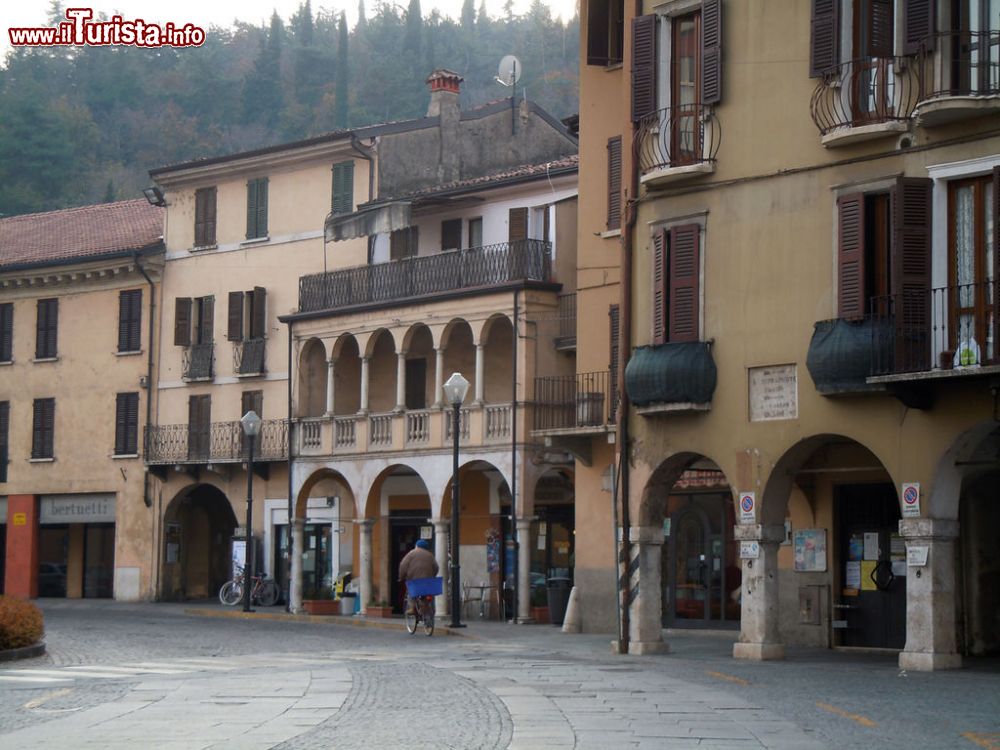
(419,562)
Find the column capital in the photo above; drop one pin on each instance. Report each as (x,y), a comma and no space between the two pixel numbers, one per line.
(524,522)
(928,529)
(402,352)
(759,532)
(365,523)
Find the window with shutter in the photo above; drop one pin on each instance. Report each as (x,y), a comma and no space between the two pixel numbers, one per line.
(659,286)
(684,269)
(130,320)
(476,232)
(614,321)
(257,208)
(206,320)
(851,256)
(911,271)
(342,200)
(4,439)
(199,427)
(403,243)
(7,332)
(234,327)
(258,312)
(605,31)
(43,428)
(182,321)
(643,66)
(46,330)
(127,424)
(879,29)
(918,25)
(517,224)
(711,51)
(251,401)
(614,183)
(824,52)
(451,234)
(204,217)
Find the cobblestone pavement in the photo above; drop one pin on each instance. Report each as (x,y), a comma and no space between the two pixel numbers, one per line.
(153,675)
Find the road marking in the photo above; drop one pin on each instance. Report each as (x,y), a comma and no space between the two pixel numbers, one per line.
(62,673)
(862,720)
(162,667)
(728,677)
(28,678)
(989,741)
(36,702)
(126,671)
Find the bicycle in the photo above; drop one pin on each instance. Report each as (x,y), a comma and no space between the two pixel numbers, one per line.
(264,591)
(420,593)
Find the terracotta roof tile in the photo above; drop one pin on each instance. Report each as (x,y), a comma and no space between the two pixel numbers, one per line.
(78,233)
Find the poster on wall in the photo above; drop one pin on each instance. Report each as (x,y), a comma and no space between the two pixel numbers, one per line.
(852,574)
(239,555)
(810,550)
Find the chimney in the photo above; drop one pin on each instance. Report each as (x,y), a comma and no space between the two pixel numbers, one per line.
(444,85)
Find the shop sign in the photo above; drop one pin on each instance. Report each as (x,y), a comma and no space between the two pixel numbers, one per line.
(98,508)
(748,505)
(773,393)
(911,500)
(750,550)
(20,519)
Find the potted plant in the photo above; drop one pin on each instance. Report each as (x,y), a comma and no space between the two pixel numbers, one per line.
(323,602)
(381,608)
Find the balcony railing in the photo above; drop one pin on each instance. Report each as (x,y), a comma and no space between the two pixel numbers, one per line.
(473,268)
(380,429)
(197,362)
(496,422)
(248,356)
(680,136)
(345,432)
(464,418)
(968,64)
(566,315)
(573,401)
(218,442)
(866,92)
(418,427)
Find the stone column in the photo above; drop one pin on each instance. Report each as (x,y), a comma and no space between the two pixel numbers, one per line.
(439,379)
(524,569)
(295,583)
(329,387)
(442,528)
(364,385)
(931,626)
(480,380)
(646,609)
(365,555)
(400,381)
(759,639)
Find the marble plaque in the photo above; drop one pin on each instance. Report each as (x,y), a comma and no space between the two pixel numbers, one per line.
(774,393)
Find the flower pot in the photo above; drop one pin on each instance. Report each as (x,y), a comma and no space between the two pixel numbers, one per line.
(321,606)
(540,615)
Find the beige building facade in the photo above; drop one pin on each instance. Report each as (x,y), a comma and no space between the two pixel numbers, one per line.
(809,200)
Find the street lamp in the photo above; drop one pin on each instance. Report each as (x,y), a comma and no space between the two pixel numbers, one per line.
(455,389)
(251,428)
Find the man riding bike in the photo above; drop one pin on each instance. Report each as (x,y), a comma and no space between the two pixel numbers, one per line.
(419,562)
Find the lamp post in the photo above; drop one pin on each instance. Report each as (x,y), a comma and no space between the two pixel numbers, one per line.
(455,389)
(251,428)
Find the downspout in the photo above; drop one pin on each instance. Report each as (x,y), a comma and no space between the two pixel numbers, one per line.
(513,454)
(288,437)
(146,499)
(368,154)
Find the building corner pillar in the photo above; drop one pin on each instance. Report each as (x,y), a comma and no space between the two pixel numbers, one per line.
(442,531)
(295,584)
(759,608)
(645,591)
(524,569)
(365,555)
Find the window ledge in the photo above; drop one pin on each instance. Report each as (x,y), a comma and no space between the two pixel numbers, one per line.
(614,66)
(133,353)
(255,240)
(41,460)
(848,135)
(6,363)
(117,456)
(610,233)
(38,360)
(249,374)
(202,248)
(199,380)
(945,109)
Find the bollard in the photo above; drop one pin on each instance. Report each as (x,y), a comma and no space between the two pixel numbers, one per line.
(571,622)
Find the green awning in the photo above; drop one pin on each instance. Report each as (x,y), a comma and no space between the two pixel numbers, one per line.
(675,373)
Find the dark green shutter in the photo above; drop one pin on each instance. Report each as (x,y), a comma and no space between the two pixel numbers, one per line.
(43,428)
(4,438)
(342,199)
(615,182)
(251,209)
(206,322)
(598,20)
(182,321)
(127,424)
(7,332)
(262,207)
(257,208)
(47,326)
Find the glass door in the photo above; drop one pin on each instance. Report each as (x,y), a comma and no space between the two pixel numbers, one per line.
(98,560)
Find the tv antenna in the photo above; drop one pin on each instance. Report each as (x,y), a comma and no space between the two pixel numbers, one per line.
(508,74)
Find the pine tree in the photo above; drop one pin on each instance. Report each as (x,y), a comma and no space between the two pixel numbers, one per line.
(342,75)
(468,15)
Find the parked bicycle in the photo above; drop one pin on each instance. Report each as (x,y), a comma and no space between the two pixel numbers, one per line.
(420,593)
(263,592)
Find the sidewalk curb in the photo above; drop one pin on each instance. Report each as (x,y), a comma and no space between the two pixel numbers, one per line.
(350,620)
(25,652)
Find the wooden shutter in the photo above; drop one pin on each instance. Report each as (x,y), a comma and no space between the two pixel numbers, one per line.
(711,51)
(615,182)
(257,208)
(251,209)
(685,269)
(614,321)
(182,321)
(258,313)
(204,217)
(851,256)
(918,25)
(47,326)
(879,29)
(7,332)
(43,427)
(262,186)
(4,439)
(199,426)
(206,320)
(643,66)
(996,264)
(517,225)
(130,320)
(659,287)
(342,199)
(598,18)
(824,51)
(910,271)
(127,424)
(234,327)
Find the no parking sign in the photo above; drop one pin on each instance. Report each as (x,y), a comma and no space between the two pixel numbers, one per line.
(911,500)
(748,507)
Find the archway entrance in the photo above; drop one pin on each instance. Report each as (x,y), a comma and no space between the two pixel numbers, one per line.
(197,543)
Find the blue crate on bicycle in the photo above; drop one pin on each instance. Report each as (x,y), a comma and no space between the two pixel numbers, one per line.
(425,586)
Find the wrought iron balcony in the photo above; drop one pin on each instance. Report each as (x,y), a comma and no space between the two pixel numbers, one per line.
(677,140)
(867,98)
(218,442)
(580,402)
(960,76)
(197,362)
(248,356)
(480,267)
(676,376)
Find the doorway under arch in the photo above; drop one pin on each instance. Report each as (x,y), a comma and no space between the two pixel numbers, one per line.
(197,543)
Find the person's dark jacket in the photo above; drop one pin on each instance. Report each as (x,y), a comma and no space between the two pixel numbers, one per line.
(417,563)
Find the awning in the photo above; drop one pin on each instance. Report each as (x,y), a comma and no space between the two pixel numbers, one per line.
(671,373)
(380,219)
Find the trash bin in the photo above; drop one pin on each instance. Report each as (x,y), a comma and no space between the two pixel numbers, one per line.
(348,603)
(558,591)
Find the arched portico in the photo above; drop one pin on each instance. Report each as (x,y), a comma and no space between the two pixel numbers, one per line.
(197,543)
(312,385)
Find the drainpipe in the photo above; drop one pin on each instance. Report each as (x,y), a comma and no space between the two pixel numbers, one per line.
(513,455)
(146,499)
(368,154)
(288,433)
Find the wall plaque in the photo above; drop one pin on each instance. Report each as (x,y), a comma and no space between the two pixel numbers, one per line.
(774,393)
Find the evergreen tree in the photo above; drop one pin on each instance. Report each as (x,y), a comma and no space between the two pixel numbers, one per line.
(362,19)
(343,74)
(468,15)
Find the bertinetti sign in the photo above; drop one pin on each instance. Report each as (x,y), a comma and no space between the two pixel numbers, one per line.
(97,508)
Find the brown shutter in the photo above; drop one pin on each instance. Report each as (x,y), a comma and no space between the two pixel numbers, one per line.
(234,328)
(880,29)
(684,272)
(996,264)
(258,312)
(130,320)
(182,321)
(825,37)
(6,332)
(517,229)
(918,25)
(127,424)
(614,320)
(615,182)
(598,18)
(910,271)
(659,286)
(206,323)
(851,256)
(199,218)
(643,66)
(46,328)
(4,439)
(711,51)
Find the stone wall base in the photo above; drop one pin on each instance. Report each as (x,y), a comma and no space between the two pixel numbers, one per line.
(924,662)
(641,648)
(758,651)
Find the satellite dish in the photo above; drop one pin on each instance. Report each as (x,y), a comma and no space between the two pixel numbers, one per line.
(510,71)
